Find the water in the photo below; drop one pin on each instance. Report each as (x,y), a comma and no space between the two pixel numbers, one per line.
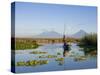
(75,59)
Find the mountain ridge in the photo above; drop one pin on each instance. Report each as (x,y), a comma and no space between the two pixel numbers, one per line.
(54,34)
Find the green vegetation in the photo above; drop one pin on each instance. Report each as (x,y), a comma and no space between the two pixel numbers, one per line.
(33,43)
(89,43)
(48,56)
(32,63)
(71,40)
(22,44)
(38,52)
(58,53)
(89,40)
(59,59)
(80,58)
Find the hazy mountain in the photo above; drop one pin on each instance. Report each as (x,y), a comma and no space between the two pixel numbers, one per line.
(79,34)
(49,34)
(54,34)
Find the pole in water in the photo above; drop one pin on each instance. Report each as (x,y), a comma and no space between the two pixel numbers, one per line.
(64,34)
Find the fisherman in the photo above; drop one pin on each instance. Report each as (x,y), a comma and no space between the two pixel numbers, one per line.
(66,46)
(66,49)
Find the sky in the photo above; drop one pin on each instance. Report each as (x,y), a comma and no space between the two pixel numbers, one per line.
(35,18)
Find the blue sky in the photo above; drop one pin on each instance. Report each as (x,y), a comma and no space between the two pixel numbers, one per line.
(34,18)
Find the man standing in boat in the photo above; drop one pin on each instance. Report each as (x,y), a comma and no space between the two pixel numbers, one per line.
(65,46)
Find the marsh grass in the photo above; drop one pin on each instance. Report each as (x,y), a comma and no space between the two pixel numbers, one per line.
(89,43)
(26,44)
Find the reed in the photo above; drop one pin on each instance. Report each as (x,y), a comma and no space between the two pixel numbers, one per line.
(89,40)
(89,43)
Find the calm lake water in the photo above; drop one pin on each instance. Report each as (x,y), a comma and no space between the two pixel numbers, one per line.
(70,62)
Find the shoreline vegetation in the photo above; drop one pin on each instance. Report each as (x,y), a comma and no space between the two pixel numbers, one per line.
(26,44)
(89,43)
(33,43)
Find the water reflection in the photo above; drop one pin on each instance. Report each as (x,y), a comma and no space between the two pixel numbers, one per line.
(56,58)
(81,58)
(65,53)
(90,51)
(61,62)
